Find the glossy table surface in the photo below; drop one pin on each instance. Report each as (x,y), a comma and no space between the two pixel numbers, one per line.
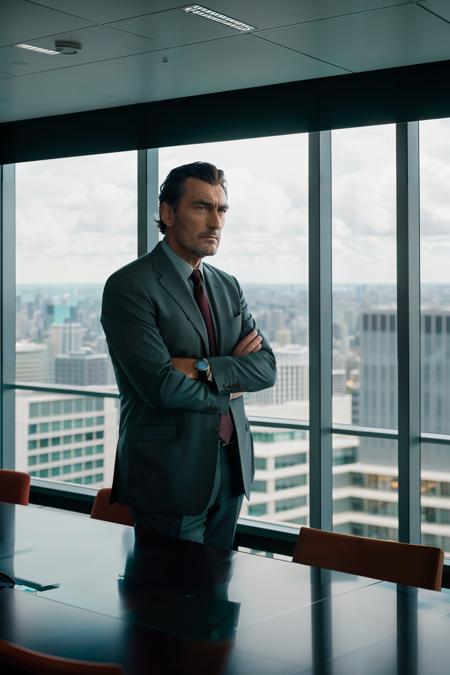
(166,606)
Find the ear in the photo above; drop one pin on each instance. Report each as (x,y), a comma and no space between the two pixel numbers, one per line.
(166,214)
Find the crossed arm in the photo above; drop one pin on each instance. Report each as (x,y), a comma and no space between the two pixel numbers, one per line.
(249,344)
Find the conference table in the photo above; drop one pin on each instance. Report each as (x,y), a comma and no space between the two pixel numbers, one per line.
(87,589)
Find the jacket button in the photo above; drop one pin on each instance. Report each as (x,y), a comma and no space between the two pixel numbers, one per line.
(216,429)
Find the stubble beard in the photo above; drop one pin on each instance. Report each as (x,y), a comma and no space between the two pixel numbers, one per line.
(204,250)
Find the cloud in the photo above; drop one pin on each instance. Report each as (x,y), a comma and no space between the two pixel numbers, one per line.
(76,217)
(264,239)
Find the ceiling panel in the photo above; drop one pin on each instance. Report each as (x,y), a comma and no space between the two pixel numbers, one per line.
(104,11)
(260,13)
(441,7)
(175,27)
(263,14)
(22,21)
(98,43)
(221,65)
(394,36)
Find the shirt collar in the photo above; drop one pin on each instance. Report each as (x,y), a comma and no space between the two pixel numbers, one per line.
(183,267)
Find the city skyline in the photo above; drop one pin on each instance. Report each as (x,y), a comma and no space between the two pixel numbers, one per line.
(55,438)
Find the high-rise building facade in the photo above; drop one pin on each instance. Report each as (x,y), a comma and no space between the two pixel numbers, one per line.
(68,438)
(371,504)
(81,369)
(32,362)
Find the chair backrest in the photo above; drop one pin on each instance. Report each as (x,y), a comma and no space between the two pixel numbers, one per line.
(408,564)
(14,487)
(114,513)
(23,660)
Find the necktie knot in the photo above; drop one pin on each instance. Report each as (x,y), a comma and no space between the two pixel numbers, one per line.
(196,277)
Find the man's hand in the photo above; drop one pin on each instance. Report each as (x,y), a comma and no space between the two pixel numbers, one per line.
(185,366)
(249,344)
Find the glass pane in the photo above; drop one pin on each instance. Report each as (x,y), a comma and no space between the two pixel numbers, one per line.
(280,491)
(76,223)
(84,458)
(435,328)
(265,246)
(435,498)
(364,277)
(435,275)
(365,487)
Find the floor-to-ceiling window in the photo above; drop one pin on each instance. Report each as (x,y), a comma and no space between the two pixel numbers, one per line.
(365,329)
(75,224)
(435,331)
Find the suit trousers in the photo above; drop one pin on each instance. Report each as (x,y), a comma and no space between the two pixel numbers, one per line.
(216,524)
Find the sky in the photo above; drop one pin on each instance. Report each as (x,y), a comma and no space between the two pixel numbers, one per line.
(76,217)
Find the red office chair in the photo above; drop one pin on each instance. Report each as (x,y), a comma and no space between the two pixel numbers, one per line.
(22,660)
(408,564)
(14,487)
(114,513)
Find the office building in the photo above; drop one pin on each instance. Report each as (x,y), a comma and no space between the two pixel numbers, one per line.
(69,438)
(370,487)
(82,369)
(66,338)
(293,378)
(280,492)
(32,362)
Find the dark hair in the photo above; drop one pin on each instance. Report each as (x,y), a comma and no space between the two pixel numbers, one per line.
(172,189)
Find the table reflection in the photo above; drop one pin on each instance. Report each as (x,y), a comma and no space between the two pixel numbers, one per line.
(181,589)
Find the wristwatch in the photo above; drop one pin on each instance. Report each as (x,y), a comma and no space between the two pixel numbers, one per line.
(202,368)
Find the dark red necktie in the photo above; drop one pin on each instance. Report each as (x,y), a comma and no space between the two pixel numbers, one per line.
(226,422)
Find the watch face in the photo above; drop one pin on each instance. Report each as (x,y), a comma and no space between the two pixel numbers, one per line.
(202,367)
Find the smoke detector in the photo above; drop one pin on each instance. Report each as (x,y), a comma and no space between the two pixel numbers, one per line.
(68,47)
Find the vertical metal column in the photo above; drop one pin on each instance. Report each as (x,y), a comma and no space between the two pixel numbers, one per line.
(408,330)
(7,314)
(148,191)
(320,322)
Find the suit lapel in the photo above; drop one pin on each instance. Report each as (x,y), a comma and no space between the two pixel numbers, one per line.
(169,278)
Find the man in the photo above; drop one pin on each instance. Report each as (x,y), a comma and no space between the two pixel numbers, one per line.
(184,348)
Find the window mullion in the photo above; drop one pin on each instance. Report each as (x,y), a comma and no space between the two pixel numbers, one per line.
(147,184)
(8,314)
(408,332)
(320,336)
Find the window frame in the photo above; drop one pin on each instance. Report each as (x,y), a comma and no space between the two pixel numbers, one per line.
(320,427)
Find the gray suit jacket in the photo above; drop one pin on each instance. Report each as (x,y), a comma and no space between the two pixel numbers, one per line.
(169,424)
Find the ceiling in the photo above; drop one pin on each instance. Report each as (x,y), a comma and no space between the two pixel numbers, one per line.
(134,51)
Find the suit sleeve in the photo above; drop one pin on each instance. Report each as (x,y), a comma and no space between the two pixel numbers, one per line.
(252,372)
(135,342)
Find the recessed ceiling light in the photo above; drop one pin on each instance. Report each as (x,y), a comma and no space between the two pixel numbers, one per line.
(32,48)
(219,18)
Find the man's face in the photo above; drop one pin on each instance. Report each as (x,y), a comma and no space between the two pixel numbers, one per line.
(194,228)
